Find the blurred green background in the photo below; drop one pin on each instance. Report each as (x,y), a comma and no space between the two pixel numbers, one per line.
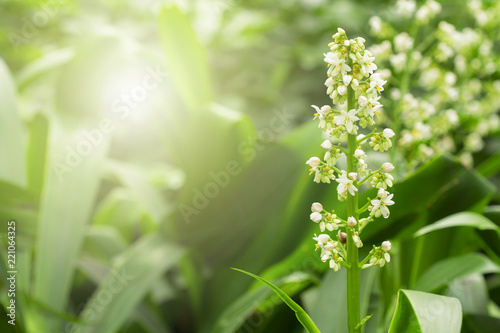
(148,146)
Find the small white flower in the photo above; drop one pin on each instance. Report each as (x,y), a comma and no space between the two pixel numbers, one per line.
(331,226)
(317,207)
(325,109)
(347,119)
(353,175)
(329,82)
(367,65)
(380,206)
(314,162)
(387,167)
(355,84)
(351,221)
(375,24)
(347,79)
(339,65)
(334,265)
(406,7)
(327,144)
(403,42)
(387,257)
(357,241)
(330,246)
(322,239)
(359,153)
(362,101)
(345,185)
(342,90)
(386,246)
(316,217)
(376,84)
(398,61)
(382,193)
(388,133)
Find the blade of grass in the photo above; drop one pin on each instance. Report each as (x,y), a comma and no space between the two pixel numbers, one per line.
(301,315)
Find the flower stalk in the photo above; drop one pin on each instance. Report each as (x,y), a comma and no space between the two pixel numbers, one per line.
(354,88)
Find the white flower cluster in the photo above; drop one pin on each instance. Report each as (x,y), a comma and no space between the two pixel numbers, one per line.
(379,255)
(448,95)
(351,75)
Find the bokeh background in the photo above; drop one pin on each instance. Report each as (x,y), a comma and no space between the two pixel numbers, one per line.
(148,146)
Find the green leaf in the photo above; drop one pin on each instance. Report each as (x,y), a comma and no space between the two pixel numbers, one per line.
(331,294)
(134,179)
(481,323)
(186,60)
(37,152)
(13,165)
(472,293)
(463,219)
(103,242)
(419,312)
(254,301)
(301,315)
(66,205)
(42,66)
(362,322)
(131,277)
(448,270)
(490,166)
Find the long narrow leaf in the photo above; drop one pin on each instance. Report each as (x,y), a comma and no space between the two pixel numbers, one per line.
(13,166)
(301,315)
(463,219)
(132,276)
(66,205)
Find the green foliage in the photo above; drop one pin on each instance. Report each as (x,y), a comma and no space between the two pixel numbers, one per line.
(235,83)
(301,315)
(419,312)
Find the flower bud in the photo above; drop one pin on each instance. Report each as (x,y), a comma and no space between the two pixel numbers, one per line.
(327,144)
(357,241)
(325,109)
(387,167)
(362,101)
(347,79)
(342,237)
(359,153)
(317,207)
(381,193)
(329,246)
(323,238)
(353,175)
(351,221)
(314,162)
(342,90)
(386,246)
(388,133)
(316,217)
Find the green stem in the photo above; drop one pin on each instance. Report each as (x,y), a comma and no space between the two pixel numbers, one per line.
(353,295)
